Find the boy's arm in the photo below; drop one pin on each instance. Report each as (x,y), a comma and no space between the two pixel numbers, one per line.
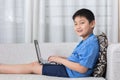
(72,65)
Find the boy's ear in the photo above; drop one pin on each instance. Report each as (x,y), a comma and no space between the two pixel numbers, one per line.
(93,24)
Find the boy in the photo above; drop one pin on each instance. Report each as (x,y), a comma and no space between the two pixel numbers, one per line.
(79,64)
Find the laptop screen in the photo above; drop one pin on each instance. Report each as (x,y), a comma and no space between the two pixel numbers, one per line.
(37,50)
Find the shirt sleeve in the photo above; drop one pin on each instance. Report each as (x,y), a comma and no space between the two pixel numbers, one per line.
(89,56)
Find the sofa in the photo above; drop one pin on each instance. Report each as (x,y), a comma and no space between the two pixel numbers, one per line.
(25,53)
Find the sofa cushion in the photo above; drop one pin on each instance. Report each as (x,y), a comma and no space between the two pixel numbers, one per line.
(100,68)
(40,77)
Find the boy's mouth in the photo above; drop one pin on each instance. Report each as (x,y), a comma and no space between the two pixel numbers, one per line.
(79,30)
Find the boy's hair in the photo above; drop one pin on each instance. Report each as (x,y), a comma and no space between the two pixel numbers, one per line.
(84,13)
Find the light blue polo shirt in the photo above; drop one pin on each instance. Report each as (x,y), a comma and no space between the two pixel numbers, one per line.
(86,54)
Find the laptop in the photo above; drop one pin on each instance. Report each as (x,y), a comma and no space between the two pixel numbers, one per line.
(40,59)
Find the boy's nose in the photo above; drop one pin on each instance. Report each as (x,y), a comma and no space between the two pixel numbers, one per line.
(78,26)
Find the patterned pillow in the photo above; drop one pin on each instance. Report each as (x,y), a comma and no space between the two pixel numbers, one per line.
(100,69)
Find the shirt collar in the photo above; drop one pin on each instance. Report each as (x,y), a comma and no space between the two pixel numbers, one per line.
(88,36)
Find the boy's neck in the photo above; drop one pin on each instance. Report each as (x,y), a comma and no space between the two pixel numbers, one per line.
(87,36)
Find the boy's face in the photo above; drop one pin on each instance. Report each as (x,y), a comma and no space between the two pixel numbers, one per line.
(82,26)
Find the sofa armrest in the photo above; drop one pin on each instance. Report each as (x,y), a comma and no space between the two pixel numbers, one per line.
(113,62)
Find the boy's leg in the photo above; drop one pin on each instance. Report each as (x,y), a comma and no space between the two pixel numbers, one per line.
(34,67)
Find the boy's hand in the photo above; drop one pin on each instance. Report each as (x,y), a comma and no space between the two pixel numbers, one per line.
(56,59)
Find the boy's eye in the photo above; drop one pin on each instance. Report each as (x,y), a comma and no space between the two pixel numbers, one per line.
(82,22)
(75,24)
